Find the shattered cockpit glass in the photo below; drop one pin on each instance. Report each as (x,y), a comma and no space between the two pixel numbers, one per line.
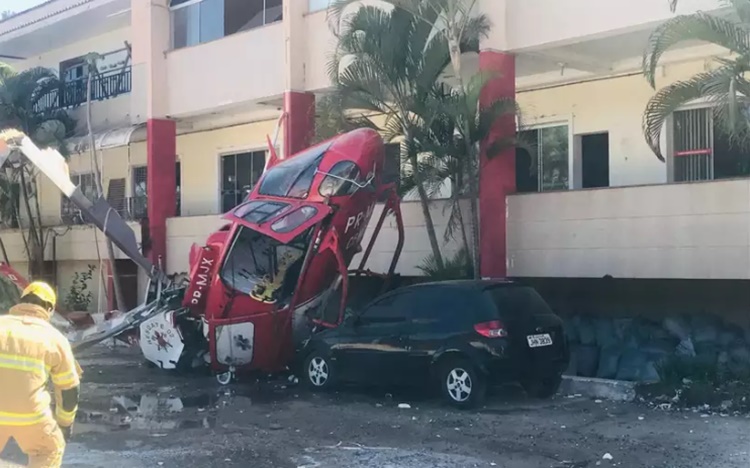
(262,267)
(293,178)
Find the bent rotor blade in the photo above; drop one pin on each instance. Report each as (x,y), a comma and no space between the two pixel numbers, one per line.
(99,213)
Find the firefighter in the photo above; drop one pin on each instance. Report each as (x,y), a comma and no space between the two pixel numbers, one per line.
(31,351)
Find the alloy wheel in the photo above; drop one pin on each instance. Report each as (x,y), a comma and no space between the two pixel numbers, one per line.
(459,385)
(318,371)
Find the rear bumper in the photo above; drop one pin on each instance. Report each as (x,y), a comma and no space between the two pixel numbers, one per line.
(521,365)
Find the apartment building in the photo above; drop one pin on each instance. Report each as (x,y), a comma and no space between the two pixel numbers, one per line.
(189,90)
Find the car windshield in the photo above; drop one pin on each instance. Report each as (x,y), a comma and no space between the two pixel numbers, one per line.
(293,178)
(518,300)
(262,267)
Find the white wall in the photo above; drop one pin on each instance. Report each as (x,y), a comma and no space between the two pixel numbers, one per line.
(681,231)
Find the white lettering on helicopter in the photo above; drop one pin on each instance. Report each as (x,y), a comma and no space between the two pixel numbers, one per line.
(202,279)
(357,222)
(354,221)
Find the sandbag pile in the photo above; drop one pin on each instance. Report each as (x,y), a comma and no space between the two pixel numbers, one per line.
(632,348)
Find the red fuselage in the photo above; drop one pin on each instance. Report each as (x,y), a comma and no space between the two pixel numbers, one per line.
(278,255)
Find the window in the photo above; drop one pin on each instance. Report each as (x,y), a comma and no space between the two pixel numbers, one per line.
(387,310)
(69,212)
(138,203)
(703,151)
(543,166)
(239,174)
(258,212)
(293,177)
(340,180)
(294,219)
(196,22)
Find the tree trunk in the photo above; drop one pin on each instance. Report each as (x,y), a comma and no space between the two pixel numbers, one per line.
(36,258)
(424,201)
(119,300)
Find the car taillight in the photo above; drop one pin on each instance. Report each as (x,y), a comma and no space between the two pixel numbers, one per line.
(494,329)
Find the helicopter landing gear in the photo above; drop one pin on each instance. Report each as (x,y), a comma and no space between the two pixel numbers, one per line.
(225,378)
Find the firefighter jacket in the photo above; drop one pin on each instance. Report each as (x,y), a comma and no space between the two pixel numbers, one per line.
(32,352)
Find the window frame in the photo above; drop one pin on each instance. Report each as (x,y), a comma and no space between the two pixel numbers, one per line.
(551,123)
(190,3)
(234,153)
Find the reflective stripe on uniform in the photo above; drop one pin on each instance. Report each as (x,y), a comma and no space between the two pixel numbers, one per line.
(22,363)
(22,419)
(65,418)
(64,378)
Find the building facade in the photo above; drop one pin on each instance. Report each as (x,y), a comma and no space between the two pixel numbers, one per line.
(188,91)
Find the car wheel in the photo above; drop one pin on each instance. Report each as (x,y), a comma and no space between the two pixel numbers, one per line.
(544,387)
(461,384)
(318,372)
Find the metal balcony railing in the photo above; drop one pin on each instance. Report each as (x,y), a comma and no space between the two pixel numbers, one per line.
(73,93)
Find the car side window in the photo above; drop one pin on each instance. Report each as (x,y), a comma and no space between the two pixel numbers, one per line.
(387,310)
(442,307)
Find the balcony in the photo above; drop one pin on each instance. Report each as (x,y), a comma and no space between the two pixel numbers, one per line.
(697,230)
(73,94)
(234,71)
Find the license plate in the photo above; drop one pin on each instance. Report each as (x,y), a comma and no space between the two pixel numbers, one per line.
(537,341)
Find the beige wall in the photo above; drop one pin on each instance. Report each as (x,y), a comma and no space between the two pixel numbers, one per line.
(243,67)
(612,105)
(698,230)
(557,21)
(200,156)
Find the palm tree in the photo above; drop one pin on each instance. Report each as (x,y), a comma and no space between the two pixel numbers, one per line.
(453,120)
(391,62)
(725,87)
(27,103)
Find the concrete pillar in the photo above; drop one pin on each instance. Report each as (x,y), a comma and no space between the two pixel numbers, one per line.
(299,105)
(497,177)
(151,27)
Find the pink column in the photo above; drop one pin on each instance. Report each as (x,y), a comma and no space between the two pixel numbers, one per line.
(161,183)
(299,127)
(497,177)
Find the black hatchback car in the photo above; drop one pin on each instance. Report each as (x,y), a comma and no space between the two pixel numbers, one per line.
(460,335)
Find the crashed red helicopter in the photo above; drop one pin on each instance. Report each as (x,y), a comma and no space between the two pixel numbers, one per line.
(273,275)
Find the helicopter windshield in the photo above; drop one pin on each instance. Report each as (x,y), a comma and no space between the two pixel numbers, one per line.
(262,267)
(293,178)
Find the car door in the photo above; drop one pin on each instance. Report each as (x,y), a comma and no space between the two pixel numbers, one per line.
(434,326)
(372,348)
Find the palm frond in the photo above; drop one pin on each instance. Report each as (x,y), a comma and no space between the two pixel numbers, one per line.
(699,26)
(458,266)
(672,97)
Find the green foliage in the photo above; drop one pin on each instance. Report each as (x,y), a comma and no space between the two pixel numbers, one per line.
(459,266)
(725,87)
(79,296)
(396,61)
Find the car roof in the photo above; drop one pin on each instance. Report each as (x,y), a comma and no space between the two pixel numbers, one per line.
(461,284)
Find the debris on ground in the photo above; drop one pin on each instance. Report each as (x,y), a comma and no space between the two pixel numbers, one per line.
(404,406)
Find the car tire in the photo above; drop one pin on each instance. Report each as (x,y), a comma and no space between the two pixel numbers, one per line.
(461,384)
(318,372)
(545,387)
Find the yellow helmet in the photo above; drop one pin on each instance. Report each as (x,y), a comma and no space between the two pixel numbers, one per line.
(41,290)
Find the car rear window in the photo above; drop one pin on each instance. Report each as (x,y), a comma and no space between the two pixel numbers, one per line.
(517,300)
